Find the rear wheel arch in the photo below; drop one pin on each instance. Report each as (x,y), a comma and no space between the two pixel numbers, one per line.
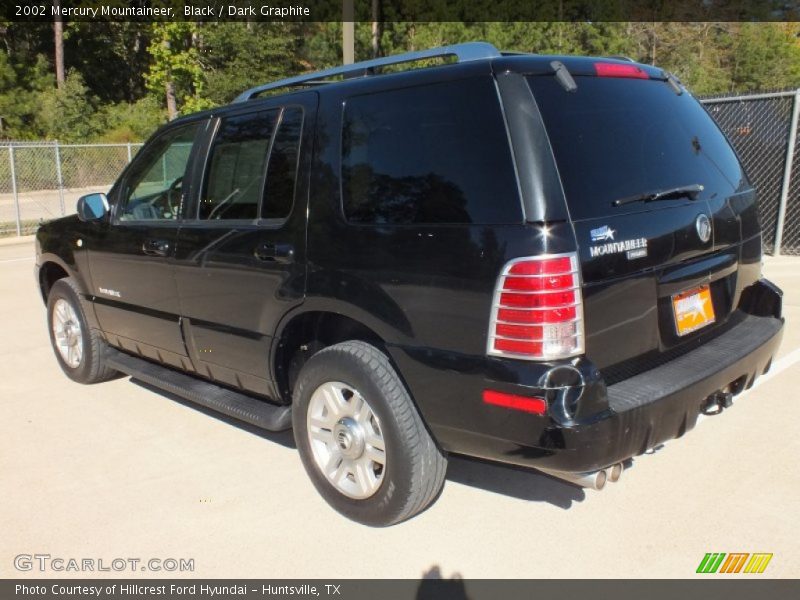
(307,333)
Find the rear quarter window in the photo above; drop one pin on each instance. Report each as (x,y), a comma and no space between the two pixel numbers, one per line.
(428,154)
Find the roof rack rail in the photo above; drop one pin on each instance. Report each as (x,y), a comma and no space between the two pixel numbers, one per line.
(463,52)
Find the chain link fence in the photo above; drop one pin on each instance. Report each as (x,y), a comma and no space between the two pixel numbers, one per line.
(763,129)
(43,180)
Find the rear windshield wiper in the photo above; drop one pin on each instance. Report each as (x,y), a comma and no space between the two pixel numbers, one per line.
(684,191)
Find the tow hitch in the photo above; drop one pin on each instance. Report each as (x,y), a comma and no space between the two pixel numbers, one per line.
(717,402)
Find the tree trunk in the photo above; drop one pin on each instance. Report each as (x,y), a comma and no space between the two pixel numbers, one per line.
(653,43)
(58,28)
(172,105)
(169,88)
(377,28)
(348,32)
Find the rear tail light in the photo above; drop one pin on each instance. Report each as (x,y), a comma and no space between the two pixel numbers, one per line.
(617,70)
(537,312)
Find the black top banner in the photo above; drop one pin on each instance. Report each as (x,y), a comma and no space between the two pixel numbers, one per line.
(466,11)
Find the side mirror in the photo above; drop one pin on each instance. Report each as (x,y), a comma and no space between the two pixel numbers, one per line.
(92,207)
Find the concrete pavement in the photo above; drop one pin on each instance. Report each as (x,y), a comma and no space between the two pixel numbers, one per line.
(118,470)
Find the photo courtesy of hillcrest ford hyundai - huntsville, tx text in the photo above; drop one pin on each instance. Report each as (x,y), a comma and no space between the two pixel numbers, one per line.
(547,261)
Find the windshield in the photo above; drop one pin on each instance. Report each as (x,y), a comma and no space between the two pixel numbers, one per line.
(618,138)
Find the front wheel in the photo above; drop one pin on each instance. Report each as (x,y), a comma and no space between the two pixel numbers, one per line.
(361,439)
(78,349)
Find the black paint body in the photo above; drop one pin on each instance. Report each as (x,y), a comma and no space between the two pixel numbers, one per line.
(212,306)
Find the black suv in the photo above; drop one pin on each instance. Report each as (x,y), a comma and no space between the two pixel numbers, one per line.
(547,261)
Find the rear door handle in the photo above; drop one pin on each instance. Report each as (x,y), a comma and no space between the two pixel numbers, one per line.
(275,252)
(156,247)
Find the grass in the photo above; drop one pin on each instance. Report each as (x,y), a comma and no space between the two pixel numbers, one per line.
(27,227)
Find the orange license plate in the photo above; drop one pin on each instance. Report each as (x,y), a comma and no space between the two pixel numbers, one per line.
(693,310)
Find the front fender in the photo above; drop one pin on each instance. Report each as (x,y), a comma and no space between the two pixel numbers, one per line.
(60,243)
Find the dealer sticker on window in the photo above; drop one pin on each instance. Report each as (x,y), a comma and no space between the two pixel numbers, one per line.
(693,309)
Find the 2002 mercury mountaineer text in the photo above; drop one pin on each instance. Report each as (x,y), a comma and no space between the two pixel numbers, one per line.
(547,261)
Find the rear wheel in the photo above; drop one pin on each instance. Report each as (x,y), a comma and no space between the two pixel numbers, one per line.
(361,438)
(78,349)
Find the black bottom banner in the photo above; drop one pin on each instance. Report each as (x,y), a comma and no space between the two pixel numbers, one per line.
(355,589)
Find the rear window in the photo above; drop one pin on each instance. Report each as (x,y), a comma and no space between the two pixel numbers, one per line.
(428,154)
(615,138)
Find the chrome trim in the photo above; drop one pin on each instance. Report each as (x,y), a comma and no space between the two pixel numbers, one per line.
(703,227)
(463,52)
(499,322)
(578,305)
(511,307)
(579,335)
(516,356)
(509,274)
(506,337)
(537,292)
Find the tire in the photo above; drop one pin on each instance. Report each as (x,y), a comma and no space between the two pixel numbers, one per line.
(412,473)
(79,352)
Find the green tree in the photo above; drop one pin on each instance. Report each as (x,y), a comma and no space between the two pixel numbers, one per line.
(765,56)
(69,113)
(112,57)
(122,75)
(237,56)
(322,45)
(20,90)
(131,122)
(175,72)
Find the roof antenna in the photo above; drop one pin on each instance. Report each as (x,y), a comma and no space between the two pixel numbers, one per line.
(563,76)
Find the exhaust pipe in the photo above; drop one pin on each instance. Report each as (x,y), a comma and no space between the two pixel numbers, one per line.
(595,480)
(614,472)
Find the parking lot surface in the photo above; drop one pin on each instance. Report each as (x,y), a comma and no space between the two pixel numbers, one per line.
(119,470)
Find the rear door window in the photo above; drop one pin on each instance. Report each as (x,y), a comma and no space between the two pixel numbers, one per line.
(237,164)
(615,138)
(282,168)
(428,154)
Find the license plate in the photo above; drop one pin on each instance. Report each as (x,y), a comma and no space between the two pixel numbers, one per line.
(693,310)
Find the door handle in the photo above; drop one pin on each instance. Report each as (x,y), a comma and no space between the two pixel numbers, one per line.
(274,252)
(156,247)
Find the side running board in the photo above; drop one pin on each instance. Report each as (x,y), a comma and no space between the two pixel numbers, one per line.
(228,402)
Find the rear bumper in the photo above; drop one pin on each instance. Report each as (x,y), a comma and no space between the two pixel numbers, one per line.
(664,403)
(635,414)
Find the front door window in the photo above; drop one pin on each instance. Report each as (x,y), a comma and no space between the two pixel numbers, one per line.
(153,186)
